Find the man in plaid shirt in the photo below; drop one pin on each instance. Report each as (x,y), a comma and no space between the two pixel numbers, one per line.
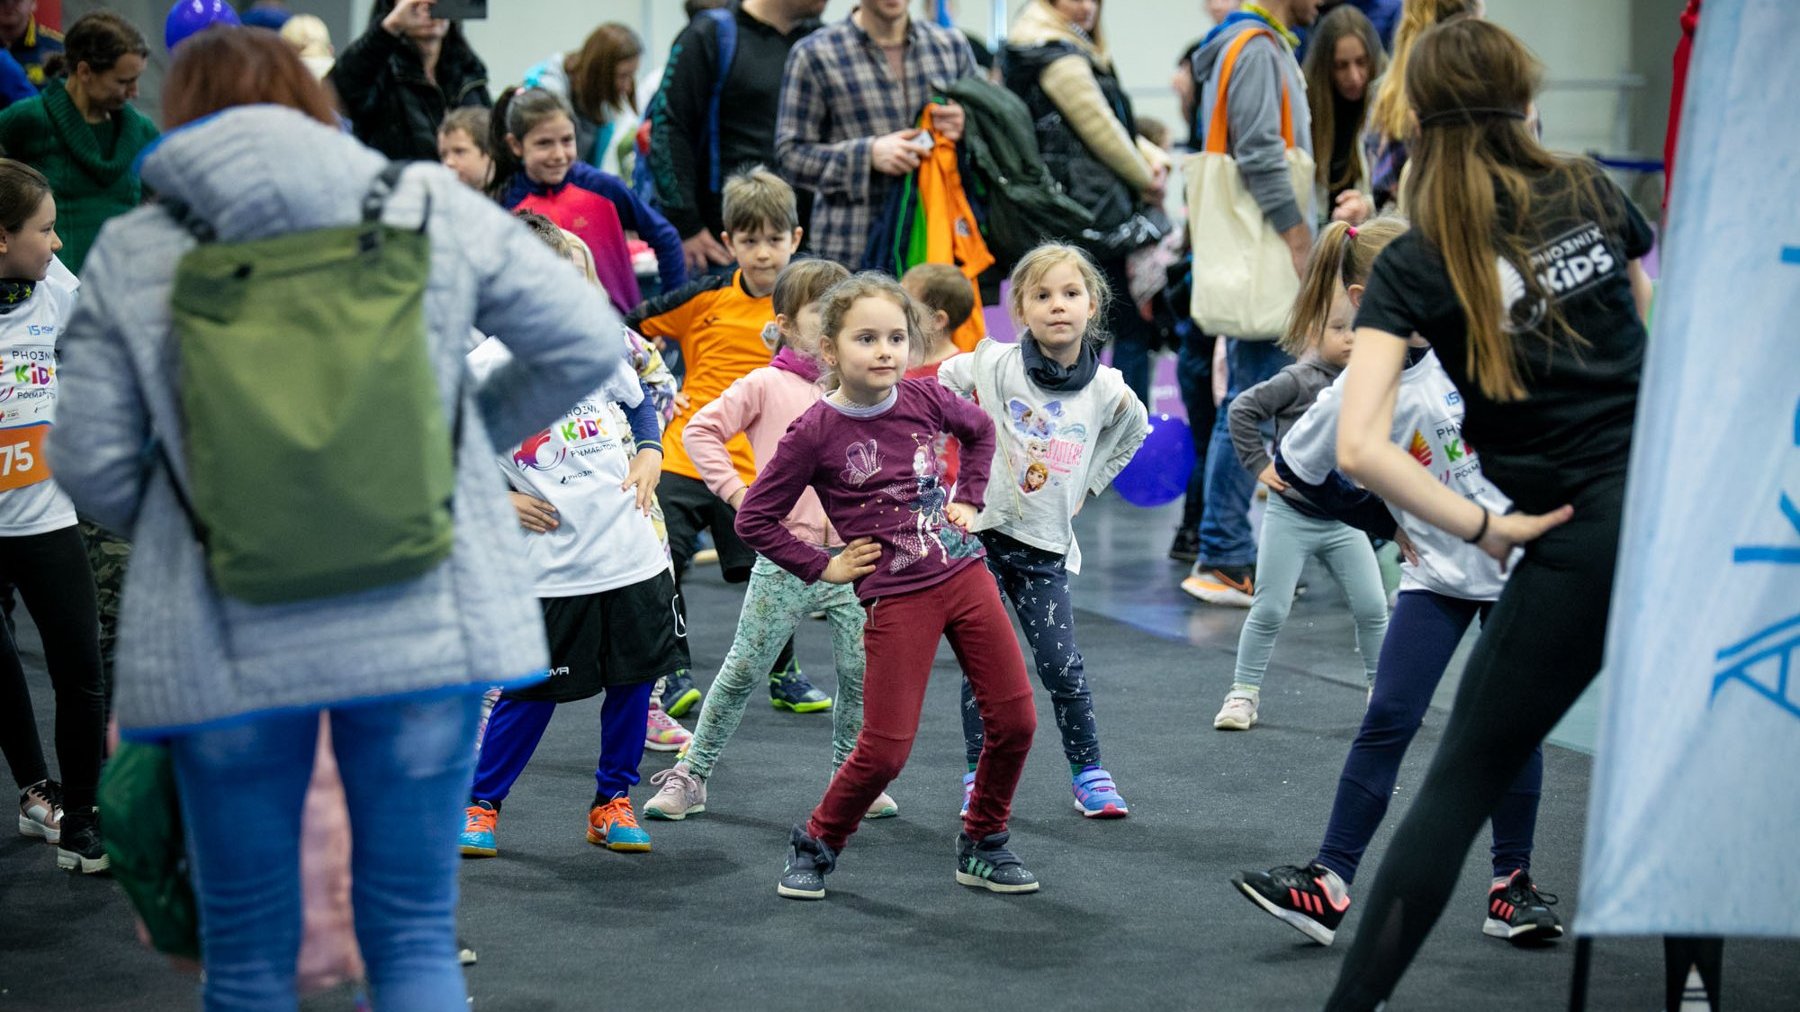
(852,93)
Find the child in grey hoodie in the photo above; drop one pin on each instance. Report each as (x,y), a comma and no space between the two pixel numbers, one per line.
(1294,530)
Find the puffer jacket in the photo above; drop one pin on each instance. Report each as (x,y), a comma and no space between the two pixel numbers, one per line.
(1085,129)
(188,656)
(393,107)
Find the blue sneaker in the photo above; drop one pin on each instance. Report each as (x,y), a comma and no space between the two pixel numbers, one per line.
(477,839)
(968,792)
(1096,797)
(789,690)
(679,694)
(614,826)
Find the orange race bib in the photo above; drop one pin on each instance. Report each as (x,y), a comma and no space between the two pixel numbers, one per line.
(22,460)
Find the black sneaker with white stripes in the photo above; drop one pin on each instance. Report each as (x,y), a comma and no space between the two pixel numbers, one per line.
(1518,912)
(1312,900)
(989,865)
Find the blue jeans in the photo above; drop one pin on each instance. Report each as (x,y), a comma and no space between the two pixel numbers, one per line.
(1225,535)
(405,766)
(1131,334)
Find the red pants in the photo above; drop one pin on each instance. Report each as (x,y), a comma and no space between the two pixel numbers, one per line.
(901,638)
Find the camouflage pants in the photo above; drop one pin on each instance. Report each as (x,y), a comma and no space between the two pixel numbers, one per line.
(109,554)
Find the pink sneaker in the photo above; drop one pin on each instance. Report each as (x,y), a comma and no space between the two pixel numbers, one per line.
(662,733)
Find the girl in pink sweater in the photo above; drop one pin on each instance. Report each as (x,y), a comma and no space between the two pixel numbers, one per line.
(762,405)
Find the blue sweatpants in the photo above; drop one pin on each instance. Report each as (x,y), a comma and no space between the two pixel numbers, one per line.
(516,726)
(1422,636)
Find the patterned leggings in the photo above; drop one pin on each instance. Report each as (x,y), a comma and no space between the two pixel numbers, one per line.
(774,604)
(1037,583)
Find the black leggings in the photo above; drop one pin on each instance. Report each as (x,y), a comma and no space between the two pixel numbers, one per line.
(1538,650)
(51,574)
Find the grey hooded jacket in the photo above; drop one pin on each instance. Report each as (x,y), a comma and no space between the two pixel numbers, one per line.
(188,656)
(1253,111)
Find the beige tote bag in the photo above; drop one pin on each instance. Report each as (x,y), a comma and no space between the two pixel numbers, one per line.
(1244,280)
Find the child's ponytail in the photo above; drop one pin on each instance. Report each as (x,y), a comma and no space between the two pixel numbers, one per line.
(518,112)
(1343,254)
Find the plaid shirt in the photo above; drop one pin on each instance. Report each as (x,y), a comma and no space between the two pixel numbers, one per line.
(839,94)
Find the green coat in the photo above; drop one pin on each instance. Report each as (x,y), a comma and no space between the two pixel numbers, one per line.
(49,134)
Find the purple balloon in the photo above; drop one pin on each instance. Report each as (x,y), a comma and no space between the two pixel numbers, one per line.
(189,16)
(1159,471)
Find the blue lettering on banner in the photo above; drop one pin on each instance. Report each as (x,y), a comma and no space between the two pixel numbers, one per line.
(1764,660)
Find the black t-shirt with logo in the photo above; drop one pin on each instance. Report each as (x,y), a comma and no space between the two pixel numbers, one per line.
(1574,423)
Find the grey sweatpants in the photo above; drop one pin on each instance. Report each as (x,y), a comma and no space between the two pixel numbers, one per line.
(1289,538)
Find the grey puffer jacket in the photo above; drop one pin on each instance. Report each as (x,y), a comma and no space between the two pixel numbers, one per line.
(189,657)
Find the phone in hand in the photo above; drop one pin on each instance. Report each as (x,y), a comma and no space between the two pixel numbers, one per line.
(460,10)
(923,141)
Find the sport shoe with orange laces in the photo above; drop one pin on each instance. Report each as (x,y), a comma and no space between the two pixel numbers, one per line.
(614,826)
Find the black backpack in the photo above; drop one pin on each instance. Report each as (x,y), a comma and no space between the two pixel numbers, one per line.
(1004,175)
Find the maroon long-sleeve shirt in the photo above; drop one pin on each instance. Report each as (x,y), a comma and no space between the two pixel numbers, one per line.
(878,477)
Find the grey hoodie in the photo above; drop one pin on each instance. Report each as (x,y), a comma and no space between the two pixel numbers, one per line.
(1253,111)
(189,656)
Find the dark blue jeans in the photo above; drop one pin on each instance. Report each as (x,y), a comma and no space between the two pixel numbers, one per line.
(1225,535)
(1037,584)
(1131,334)
(405,765)
(1422,637)
(1193,372)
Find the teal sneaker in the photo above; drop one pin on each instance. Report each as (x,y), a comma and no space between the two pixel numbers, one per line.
(477,839)
(614,826)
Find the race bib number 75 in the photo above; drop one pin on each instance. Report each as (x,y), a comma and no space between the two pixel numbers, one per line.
(22,456)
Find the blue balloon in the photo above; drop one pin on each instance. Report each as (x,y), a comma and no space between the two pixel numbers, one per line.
(190,16)
(1159,471)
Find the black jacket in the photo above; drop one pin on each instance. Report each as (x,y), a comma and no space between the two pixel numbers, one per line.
(392,106)
(1083,176)
(679,161)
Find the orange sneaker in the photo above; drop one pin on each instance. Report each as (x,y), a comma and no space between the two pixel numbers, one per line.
(614,826)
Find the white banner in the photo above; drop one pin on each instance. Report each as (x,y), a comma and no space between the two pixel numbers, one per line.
(1694,822)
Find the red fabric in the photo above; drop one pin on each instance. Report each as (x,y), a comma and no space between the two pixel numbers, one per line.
(49,13)
(901,638)
(1690,20)
(596,221)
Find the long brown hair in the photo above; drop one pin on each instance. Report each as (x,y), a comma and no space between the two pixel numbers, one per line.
(226,66)
(1471,82)
(593,73)
(1344,254)
(1388,115)
(1321,92)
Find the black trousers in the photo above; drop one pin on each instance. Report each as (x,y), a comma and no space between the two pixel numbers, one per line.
(1538,650)
(51,575)
(689,507)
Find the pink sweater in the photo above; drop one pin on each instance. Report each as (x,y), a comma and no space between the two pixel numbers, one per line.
(761,404)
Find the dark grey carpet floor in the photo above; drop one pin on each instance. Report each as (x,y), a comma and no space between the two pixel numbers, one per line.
(1133,913)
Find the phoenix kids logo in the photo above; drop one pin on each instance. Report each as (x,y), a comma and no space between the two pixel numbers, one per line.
(530,455)
(1420,450)
(36,374)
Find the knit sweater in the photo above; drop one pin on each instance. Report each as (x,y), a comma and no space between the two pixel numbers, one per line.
(92,183)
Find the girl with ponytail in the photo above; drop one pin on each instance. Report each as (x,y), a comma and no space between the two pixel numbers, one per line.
(1522,272)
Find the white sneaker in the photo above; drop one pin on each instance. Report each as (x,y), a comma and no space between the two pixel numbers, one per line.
(681,794)
(1238,713)
(40,811)
(883,807)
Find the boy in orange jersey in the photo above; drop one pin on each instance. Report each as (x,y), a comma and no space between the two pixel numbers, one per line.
(718,322)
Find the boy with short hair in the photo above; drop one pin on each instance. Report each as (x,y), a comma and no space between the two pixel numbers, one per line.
(949,301)
(718,323)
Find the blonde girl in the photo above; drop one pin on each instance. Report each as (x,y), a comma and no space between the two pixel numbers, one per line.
(1067,425)
(1294,529)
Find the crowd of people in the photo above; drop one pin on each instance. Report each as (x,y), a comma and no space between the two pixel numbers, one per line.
(624,326)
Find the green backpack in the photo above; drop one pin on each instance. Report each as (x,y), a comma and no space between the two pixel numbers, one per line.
(319,459)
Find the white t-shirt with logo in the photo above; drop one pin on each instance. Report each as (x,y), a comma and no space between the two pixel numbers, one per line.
(30,502)
(602,540)
(1428,417)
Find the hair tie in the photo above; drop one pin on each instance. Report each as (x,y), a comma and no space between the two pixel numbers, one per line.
(1469,114)
(1350,230)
